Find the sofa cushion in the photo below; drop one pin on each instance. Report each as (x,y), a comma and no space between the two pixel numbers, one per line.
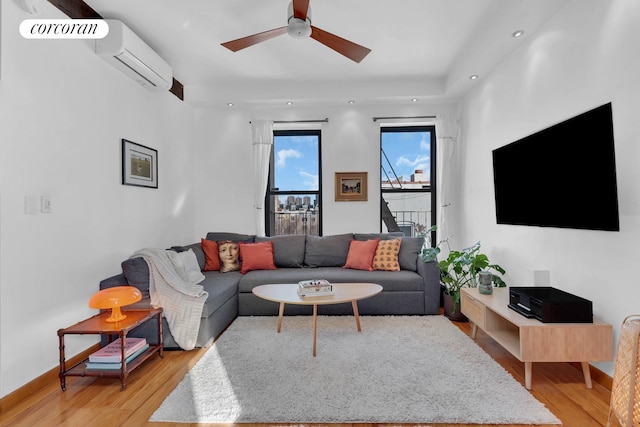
(409,250)
(361,253)
(220,287)
(327,251)
(381,236)
(136,271)
(403,281)
(386,256)
(288,250)
(234,237)
(256,256)
(212,258)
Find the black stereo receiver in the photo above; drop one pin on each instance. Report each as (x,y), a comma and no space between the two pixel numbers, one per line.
(550,305)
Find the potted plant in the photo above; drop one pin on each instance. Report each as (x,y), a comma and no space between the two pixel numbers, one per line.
(460,269)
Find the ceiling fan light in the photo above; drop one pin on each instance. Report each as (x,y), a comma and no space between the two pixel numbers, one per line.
(299,29)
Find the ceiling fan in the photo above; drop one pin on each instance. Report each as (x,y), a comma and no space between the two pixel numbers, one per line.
(299,27)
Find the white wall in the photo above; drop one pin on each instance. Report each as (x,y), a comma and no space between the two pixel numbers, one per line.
(350,143)
(584,57)
(63,112)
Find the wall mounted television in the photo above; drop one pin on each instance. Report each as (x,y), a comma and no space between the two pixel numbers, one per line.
(563,176)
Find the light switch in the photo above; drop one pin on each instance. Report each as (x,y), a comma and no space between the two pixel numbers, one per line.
(45,204)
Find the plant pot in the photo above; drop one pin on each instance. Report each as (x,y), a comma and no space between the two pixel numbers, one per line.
(452,311)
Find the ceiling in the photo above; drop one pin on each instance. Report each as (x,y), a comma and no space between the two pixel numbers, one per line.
(424,49)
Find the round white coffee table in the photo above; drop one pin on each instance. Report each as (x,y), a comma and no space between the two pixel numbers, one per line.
(342,292)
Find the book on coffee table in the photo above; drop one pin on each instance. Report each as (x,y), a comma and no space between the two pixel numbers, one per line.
(317,287)
(314,283)
(312,293)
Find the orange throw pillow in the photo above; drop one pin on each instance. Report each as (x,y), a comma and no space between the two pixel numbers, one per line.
(361,253)
(210,249)
(386,257)
(256,256)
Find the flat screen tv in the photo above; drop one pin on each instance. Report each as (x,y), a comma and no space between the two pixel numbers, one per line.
(563,176)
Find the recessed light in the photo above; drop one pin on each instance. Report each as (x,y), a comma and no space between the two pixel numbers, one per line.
(517,34)
(473,77)
(289,103)
(229,104)
(351,101)
(414,100)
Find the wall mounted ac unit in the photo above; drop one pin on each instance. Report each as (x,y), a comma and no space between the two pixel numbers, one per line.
(123,49)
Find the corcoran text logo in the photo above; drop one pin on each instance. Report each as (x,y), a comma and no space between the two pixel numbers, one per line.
(64,28)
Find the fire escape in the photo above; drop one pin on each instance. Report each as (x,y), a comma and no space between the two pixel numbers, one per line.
(387,217)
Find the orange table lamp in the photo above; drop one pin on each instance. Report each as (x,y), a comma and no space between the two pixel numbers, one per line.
(114,298)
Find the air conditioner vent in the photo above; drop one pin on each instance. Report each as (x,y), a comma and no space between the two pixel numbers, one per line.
(127,52)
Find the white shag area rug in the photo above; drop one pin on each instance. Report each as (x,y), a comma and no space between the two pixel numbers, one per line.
(399,369)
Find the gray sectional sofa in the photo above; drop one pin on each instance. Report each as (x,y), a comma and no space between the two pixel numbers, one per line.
(414,290)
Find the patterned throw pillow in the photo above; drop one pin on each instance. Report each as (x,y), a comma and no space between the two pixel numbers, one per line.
(386,257)
(229,252)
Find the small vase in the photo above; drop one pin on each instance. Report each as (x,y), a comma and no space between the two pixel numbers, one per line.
(484,283)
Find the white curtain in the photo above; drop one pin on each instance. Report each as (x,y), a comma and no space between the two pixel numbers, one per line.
(447,130)
(262,141)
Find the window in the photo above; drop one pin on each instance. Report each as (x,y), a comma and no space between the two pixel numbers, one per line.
(407,179)
(293,193)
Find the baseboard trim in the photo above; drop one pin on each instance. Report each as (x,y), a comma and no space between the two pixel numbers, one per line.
(17,396)
(596,375)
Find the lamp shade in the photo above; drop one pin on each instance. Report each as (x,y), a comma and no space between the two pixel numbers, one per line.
(114,298)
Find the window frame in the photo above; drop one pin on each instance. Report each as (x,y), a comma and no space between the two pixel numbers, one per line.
(431,188)
(269,226)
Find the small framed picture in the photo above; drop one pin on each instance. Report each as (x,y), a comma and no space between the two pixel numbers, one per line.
(351,186)
(139,165)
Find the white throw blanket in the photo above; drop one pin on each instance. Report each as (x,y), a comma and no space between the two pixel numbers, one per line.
(175,288)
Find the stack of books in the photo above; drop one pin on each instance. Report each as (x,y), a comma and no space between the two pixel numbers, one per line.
(314,288)
(110,356)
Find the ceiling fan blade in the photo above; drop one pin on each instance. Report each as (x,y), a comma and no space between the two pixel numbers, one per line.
(351,50)
(300,9)
(236,45)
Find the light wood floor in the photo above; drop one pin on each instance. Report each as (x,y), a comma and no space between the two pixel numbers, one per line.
(92,402)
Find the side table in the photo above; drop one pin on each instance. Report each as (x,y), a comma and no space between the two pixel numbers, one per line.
(530,340)
(98,325)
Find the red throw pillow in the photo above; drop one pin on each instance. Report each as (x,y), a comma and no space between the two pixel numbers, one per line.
(256,256)
(361,253)
(210,249)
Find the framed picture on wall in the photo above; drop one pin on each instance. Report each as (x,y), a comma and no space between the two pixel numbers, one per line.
(139,165)
(351,186)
